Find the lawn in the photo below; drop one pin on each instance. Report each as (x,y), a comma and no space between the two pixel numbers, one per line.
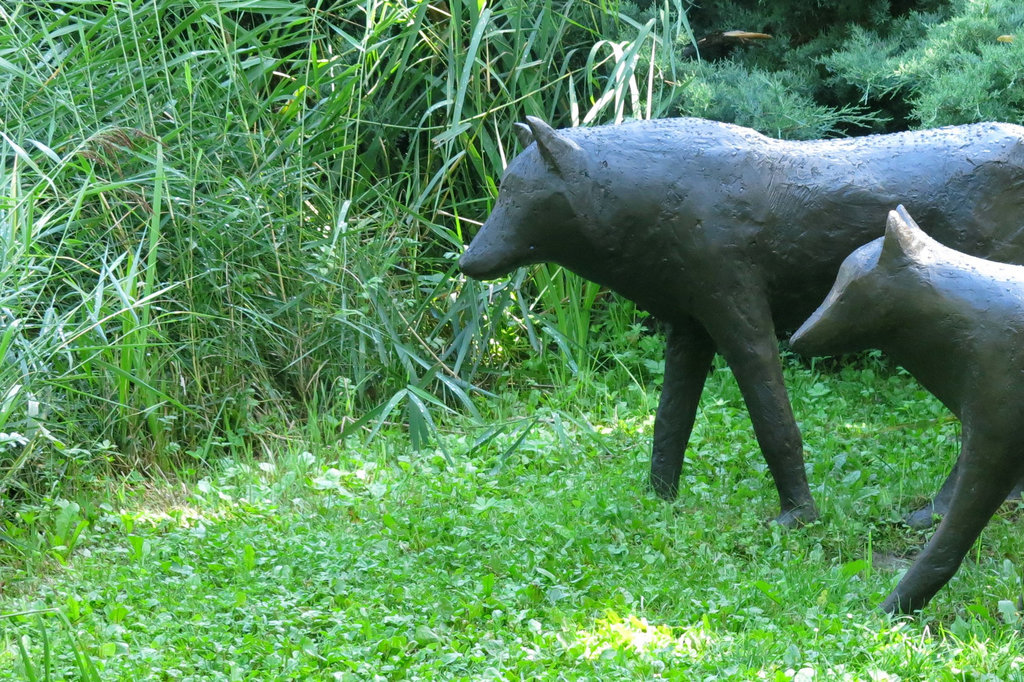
(527,548)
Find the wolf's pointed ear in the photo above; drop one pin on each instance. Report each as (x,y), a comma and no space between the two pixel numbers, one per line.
(903,237)
(562,154)
(523,134)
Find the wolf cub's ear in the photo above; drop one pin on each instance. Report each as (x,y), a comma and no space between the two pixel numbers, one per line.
(903,238)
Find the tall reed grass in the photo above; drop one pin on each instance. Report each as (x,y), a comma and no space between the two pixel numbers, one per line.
(216,217)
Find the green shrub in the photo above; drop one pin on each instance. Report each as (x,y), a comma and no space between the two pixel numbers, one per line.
(957,68)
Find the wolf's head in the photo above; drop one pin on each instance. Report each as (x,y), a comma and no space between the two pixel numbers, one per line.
(534,219)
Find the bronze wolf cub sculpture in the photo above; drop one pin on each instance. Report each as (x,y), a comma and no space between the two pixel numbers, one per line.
(957,324)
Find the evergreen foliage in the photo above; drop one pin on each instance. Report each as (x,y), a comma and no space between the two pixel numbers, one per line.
(960,68)
(856,67)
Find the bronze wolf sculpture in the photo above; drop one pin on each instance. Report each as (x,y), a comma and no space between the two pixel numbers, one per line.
(728,236)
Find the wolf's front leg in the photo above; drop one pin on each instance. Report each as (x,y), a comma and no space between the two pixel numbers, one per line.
(748,342)
(989,470)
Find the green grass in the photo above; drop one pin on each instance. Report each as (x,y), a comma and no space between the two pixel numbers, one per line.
(539,553)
